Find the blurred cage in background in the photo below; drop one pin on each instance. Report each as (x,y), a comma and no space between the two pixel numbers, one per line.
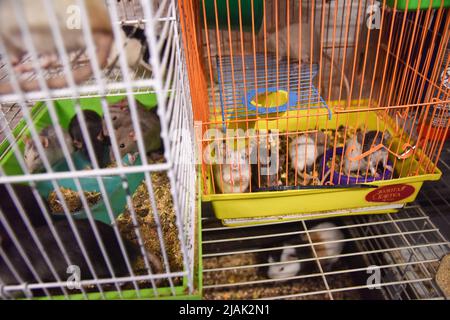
(72,224)
(313,99)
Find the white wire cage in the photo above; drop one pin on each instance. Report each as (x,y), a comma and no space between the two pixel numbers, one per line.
(144,244)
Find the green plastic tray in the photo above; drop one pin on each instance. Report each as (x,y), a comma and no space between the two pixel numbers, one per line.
(414,4)
(113,186)
(65,110)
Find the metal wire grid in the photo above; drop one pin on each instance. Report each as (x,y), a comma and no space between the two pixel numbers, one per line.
(238,77)
(129,13)
(176,118)
(434,197)
(406,247)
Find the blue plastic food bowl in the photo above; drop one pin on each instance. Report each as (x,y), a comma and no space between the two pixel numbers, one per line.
(348,179)
(113,186)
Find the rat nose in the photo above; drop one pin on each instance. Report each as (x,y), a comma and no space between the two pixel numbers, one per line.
(235,166)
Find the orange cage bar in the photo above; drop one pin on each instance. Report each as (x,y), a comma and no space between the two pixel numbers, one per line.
(325,93)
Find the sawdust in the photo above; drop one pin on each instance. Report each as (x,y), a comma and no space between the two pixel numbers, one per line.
(72,199)
(266,289)
(147,224)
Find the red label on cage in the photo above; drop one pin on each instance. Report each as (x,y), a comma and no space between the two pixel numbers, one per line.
(392,193)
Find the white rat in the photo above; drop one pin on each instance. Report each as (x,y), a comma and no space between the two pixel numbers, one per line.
(354,147)
(53,150)
(329,245)
(305,149)
(34,15)
(233,173)
(305,55)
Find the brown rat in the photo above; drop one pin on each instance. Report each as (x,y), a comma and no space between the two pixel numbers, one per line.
(52,148)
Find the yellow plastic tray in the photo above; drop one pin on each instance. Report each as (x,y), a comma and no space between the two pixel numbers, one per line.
(260,207)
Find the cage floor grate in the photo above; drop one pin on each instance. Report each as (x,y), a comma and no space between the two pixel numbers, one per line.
(405,247)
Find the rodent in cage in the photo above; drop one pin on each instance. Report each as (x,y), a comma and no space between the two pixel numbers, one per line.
(332,245)
(96,130)
(50,143)
(305,150)
(361,143)
(233,172)
(136,50)
(74,252)
(267,172)
(133,43)
(125,132)
(44,42)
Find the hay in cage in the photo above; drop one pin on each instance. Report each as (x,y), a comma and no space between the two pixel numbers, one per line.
(147,225)
(265,289)
(72,200)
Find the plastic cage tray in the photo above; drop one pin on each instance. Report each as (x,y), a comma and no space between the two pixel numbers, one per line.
(252,77)
(113,185)
(65,110)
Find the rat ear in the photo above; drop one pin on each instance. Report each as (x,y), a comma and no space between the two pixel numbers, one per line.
(132,158)
(26,140)
(132,135)
(44,141)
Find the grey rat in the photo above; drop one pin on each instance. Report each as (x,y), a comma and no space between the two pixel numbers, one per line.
(126,135)
(355,147)
(96,128)
(305,55)
(52,148)
(74,253)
